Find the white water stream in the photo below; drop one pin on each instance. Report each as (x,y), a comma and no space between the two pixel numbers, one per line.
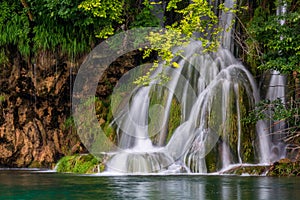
(214,92)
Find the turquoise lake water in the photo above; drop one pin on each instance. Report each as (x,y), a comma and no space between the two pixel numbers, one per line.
(16,184)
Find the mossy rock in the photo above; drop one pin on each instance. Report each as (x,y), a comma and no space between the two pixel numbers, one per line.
(285,167)
(35,164)
(249,170)
(80,164)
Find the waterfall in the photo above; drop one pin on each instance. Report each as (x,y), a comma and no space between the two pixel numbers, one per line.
(210,137)
(227,19)
(214,92)
(276,90)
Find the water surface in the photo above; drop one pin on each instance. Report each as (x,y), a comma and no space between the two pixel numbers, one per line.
(45,185)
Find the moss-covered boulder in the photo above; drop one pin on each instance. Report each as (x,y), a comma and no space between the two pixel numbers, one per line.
(285,167)
(253,170)
(80,164)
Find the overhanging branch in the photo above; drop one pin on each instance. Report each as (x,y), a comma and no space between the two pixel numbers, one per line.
(24,3)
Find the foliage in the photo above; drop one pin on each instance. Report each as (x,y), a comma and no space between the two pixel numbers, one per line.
(198,17)
(81,164)
(273,43)
(126,13)
(68,26)
(14,27)
(109,11)
(145,17)
(277,36)
(249,170)
(198,22)
(64,26)
(284,167)
(175,118)
(69,123)
(277,111)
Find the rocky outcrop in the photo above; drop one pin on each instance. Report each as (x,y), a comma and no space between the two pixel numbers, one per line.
(35,107)
(282,167)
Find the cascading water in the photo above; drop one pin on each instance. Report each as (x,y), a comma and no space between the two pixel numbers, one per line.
(276,90)
(214,92)
(227,19)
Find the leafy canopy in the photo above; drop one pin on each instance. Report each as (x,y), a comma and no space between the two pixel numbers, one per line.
(198,21)
(64,25)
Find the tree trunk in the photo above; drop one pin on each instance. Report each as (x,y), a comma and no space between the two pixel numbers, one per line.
(297,85)
(24,3)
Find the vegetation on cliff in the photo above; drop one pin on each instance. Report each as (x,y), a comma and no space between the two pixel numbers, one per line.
(42,44)
(272,42)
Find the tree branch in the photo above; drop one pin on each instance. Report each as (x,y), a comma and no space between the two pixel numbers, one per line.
(24,3)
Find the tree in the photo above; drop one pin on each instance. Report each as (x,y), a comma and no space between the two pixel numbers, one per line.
(273,43)
(198,21)
(279,42)
(30,26)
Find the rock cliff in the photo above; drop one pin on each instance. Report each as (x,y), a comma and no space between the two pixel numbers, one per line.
(35,107)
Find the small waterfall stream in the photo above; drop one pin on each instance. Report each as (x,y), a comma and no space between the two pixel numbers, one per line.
(214,92)
(276,90)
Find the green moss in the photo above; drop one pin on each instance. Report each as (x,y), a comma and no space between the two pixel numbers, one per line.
(251,170)
(228,128)
(69,123)
(3,57)
(211,160)
(35,164)
(285,167)
(80,164)
(158,98)
(248,131)
(174,119)
(105,117)
(2,98)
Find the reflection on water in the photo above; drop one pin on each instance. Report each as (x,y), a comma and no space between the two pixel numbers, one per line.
(37,185)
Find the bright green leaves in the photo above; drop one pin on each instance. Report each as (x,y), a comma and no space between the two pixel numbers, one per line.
(175,64)
(198,22)
(198,17)
(109,11)
(105,32)
(165,41)
(173,4)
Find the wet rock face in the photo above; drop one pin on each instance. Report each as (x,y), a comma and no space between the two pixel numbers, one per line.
(35,103)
